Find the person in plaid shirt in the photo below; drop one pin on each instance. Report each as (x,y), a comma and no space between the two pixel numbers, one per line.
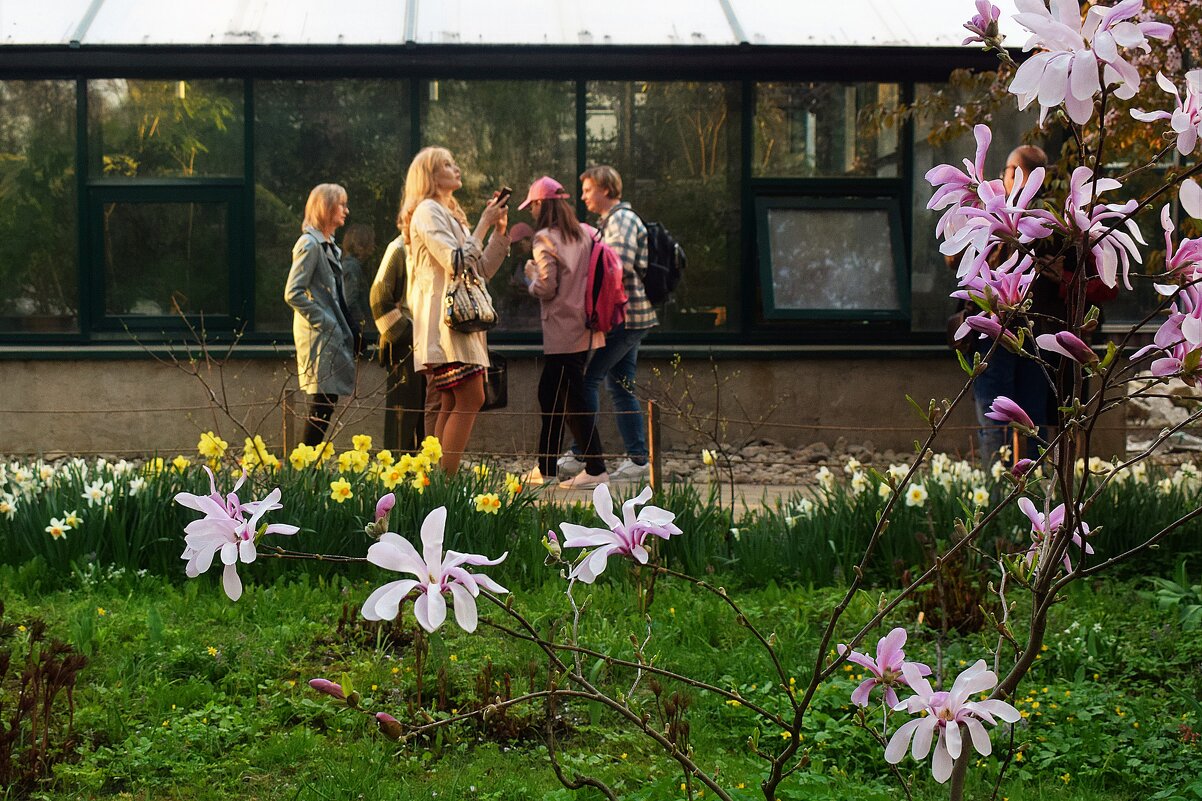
(617,362)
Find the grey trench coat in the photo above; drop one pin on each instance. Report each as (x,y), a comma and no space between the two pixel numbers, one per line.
(325,350)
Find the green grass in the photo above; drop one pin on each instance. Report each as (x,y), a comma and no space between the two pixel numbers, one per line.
(190,696)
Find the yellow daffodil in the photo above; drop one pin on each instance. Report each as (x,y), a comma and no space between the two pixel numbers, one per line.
(392,476)
(513,485)
(72,519)
(100,611)
(153,466)
(420,482)
(271,461)
(346,461)
(340,490)
(324,451)
(422,463)
(302,456)
(405,465)
(708,457)
(180,463)
(488,503)
(480,470)
(361,442)
(211,446)
(57,529)
(385,458)
(432,448)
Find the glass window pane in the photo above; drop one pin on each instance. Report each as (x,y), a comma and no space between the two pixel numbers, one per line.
(38,260)
(159,129)
(161,259)
(676,145)
(505,133)
(353,133)
(820,130)
(813,251)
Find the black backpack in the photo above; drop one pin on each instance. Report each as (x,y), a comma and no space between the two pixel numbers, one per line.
(665,263)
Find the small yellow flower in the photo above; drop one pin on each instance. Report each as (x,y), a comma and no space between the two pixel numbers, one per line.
(1018,757)
(72,519)
(480,470)
(212,651)
(324,451)
(100,611)
(392,476)
(166,723)
(672,611)
(786,735)
(420,482)
(1035,705)
(1043,647)
(361,442)
(21,628)
(153,466)
(741,785)
(488,503)
(622,755)
(733,702)
(373,687)
(385,458)
(1066,778)
(340,490)
(395,671)
(708,457)
(302,456)
(513,485)
(454,658)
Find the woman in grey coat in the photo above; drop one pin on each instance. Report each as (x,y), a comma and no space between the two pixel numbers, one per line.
(321,323)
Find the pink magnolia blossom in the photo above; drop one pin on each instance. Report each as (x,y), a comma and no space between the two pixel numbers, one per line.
(1170,342)
(1003,289)
(624,537)
(226,528)
(1068,345)
(437,573)
(330,688)
(983,25)
(1045,527)
(956,188)
(384,506)
(1022,467)
(946,712)
(987,326)
(886,669)
(1111,247)
(998,218)
(1190,196)
(1079,56)
(1186,118)
(1005,410)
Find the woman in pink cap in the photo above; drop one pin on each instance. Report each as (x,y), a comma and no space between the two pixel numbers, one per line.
(558,276)
(435,227)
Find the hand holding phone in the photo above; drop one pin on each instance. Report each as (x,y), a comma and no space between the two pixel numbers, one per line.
(502,196)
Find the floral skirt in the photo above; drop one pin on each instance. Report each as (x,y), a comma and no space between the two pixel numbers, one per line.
(445,377)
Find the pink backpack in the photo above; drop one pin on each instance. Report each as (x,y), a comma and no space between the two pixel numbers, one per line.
(605,296)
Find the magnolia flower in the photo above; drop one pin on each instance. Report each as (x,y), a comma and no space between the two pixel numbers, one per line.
(886,669)
(1005,410)
(437,573)
(988,326)
(1045,527)
(225,528)
(956,189)
(945,712)
(1186,119)
(330,688)
(1111,248)
(1076,50)
(999,217)
(1068,345)
(1002,289)
(384,506)
(624,537)
(983,25)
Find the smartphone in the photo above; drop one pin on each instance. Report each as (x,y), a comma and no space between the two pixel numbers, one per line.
(503,196)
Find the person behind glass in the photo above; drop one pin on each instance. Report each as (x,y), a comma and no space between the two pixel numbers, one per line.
(558,276)
(322,326)
(434,228)
(358,246)
(617,363)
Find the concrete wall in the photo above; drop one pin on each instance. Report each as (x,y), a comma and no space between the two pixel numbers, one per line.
(136,406)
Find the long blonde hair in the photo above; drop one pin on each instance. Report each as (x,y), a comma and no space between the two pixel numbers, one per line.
(320,205)
(419,185)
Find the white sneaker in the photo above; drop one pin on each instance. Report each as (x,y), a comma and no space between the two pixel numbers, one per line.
(629,471)
(584,481)
(569,465)
(533,477)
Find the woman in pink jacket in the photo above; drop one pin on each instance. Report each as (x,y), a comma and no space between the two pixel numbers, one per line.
(558,276)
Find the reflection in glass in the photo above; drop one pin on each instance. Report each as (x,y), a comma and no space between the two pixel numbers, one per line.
(676,145)
(809,130)
(162,259)
(38,267)
(160,129)
(505,133)
(354,133)
(832,259)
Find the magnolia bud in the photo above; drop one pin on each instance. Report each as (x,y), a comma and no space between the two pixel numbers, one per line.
(390,727)
(384,506)
(328,687)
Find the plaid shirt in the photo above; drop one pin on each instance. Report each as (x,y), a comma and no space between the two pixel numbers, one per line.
(623,231)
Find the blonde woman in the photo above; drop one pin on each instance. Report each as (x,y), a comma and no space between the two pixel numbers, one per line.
(321,324)
(434,227)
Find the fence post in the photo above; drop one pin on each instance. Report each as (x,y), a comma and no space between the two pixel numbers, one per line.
(653,445)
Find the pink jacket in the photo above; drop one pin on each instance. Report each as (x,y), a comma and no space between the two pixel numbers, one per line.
(558,276)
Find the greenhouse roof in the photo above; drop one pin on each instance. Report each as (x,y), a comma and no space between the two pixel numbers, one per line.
(850,23)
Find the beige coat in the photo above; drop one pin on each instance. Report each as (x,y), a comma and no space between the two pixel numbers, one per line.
(434,235)
(558,276)
(325,346)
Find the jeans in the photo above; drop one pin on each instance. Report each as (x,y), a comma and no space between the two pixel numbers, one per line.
(617,364)
(1018,378)
(561,397)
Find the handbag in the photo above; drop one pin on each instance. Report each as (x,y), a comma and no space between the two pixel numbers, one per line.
(496,383)
(468,305)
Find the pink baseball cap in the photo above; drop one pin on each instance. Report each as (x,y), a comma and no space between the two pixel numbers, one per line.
(544,188)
